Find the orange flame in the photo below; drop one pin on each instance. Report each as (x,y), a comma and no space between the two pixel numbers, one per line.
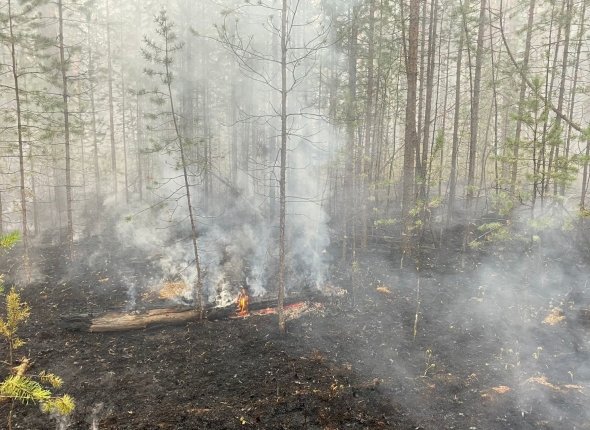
(242,302)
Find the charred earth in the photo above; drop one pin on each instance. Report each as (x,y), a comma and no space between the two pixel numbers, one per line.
(501,343)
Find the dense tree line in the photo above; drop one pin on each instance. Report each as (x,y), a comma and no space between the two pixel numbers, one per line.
(430,114)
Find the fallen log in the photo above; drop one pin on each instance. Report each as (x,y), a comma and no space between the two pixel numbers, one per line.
(118,321)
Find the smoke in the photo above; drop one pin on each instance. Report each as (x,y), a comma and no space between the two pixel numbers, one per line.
(237,225)
(481,326)
(307,219)
(238,246)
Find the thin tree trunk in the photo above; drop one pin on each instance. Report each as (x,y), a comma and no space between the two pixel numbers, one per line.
(348,219)
(63,66)
(420,125)
(111,107)
(283,168)
(36,224)
(523,86)
(445,104)
(474,129)
(411,136)
(455,147)
(475,106)
(495,105)
(234,133)
(560,100)
(548,163)
(585,177)
(365,162)
(581,32)
(93,129)
(390,176)
(198,288)
(21,152)
(139,144)
(429,89)
(124,130)
(82,146)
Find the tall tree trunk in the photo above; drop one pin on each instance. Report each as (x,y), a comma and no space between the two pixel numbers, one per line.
(445,104)
(93,128)
(365,162)
(138,147)
(548,162)
(549,81)
(475,106)
(419,125)
(111,107)
(474,129)
(124,130)
(561,99)
(63,67)
(495,105)
(585,177)
(455,147)
(82,139)
(521,98)
(411,135)
(21,152)
(35,198)
(283,168)
(587,152)
(348,218)
(198,287)
(391,160)
(429,89)
(581,31)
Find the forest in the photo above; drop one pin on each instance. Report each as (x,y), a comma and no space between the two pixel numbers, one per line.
(294,214)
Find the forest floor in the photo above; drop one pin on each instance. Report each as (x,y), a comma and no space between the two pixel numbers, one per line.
(490,349)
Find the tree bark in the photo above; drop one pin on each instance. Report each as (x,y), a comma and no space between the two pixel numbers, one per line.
(523,87)
(475,106)
(283,169)
(21,153)
(91,77)
(138,146)
(581,31)
(429,89)
(554,155)
(111,107)
(124,130)
(198,287)
(455,147)
(348,217)
(411,136)
(365,161)
(63,67)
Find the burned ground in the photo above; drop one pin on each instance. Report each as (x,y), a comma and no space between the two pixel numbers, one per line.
(480,355)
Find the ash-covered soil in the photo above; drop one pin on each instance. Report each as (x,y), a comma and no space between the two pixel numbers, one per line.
(480,355)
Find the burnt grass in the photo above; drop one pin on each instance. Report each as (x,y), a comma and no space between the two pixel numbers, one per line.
(481,357)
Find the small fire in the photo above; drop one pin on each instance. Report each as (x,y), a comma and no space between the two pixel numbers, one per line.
(242,302)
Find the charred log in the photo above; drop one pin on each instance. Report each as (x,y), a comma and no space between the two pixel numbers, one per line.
(118,321)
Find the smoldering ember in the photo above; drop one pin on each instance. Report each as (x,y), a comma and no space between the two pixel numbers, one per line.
(294,214)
